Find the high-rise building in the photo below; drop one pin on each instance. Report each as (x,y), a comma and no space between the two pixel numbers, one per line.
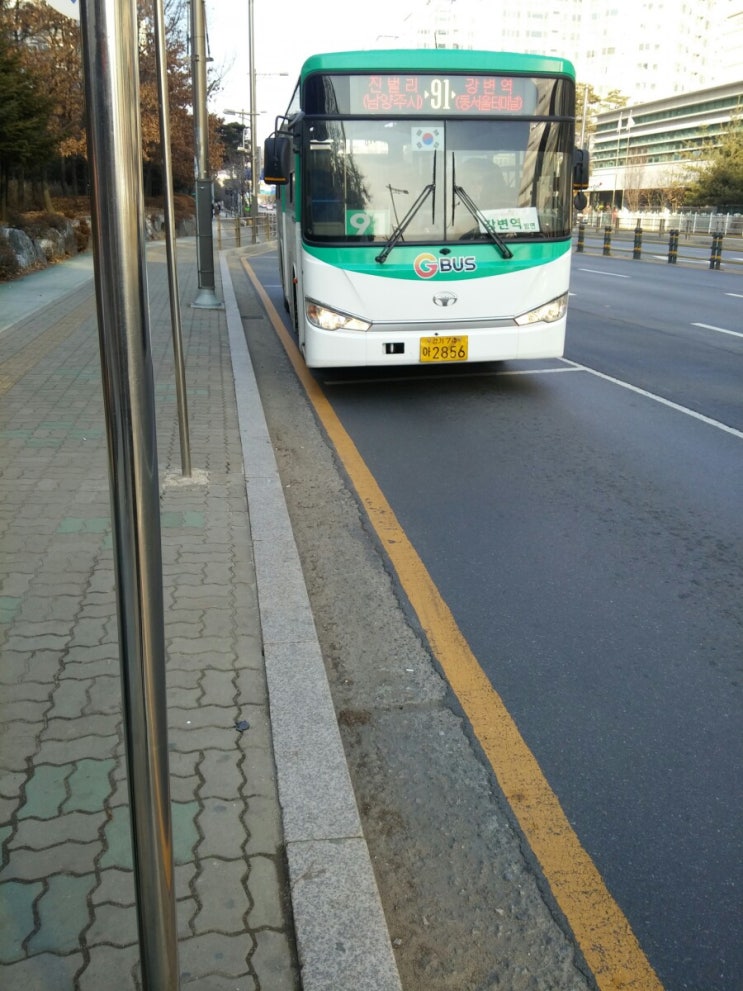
(650,48)
(646,49)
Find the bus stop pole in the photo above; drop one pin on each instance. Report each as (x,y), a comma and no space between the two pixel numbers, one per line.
(175,307)
(109,42)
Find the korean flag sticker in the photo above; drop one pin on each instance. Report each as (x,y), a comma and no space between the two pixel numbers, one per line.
(426,138)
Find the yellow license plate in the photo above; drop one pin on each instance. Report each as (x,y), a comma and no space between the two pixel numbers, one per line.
(443,348)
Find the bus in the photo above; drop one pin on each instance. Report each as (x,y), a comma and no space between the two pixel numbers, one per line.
(424,206)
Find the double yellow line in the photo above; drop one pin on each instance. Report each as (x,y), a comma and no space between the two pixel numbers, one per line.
(601,930)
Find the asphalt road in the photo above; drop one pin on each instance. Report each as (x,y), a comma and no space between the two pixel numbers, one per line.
(582,520)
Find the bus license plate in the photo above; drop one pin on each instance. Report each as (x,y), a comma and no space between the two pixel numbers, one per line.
(443,348)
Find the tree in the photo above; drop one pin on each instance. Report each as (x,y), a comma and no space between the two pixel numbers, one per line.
(235,160)
(26,139)
(671,189)
(48,44)
(180,98)
(719,182)
(634,188)
(53,41)
(231,135)
(587,98)
(46,47)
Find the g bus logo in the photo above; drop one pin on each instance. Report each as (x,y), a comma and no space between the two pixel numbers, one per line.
(427,265)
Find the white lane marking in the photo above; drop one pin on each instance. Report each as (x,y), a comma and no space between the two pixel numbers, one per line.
(720,330)
(614,275)
(659,399)
(377,380)
(735,295)
(687,259)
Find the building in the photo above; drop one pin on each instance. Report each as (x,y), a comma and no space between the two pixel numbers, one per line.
(679,64)
(647,49)
(643,154)
(546,27)
(650,48)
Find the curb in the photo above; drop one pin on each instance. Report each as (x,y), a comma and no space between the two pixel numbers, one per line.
(341,932)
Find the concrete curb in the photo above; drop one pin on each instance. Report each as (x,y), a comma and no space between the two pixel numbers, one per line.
(342,937)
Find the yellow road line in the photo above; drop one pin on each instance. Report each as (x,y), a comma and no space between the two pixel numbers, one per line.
(601,930)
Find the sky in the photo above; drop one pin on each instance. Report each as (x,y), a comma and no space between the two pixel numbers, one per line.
(285,35)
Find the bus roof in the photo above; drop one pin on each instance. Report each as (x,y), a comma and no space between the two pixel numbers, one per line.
(437,60)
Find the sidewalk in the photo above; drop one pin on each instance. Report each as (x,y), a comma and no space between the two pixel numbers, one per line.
(273,881)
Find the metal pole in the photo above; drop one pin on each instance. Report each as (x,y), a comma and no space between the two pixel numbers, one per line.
(673,246)
(206,297)
(254,177)
(616,164)
(637,248)
(175,309)
(109,36)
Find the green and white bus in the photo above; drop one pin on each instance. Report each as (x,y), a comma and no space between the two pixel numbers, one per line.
(424,208)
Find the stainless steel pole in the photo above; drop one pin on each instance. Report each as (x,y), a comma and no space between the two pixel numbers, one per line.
(255,182)
(109,36)
(175,308)
(206,297)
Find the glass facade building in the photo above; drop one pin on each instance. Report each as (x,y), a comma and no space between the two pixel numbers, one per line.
(655,146)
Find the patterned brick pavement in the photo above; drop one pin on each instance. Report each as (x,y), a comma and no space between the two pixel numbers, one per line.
(68,919)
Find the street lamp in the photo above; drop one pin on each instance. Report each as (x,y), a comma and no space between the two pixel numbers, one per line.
(253,171)
(252,114)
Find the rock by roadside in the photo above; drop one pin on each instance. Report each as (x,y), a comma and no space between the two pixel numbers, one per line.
(42,244)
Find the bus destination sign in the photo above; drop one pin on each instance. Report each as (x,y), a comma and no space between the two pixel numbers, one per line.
(426,94)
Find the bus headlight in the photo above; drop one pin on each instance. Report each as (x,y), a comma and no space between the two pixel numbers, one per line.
(546,313)
(327,319)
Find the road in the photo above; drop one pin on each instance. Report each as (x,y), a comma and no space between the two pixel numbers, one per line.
(581,520)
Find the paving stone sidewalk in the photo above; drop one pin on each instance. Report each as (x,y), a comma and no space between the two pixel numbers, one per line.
(67,918)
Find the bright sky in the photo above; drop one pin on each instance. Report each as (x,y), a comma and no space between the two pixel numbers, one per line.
(285,35)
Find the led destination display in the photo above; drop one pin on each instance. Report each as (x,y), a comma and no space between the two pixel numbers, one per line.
(436,95)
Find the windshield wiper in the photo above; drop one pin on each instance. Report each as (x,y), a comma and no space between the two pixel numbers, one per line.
(477,213)
(480,217)
(396,236)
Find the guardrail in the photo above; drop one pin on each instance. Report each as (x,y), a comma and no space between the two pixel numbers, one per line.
(234,232)
(695,249)
(687,224)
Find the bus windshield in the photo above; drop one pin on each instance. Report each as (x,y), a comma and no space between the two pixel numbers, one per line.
(363,176)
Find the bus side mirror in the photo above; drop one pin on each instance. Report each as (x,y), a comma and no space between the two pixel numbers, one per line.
(581,174)
(581,168)
(277,159)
